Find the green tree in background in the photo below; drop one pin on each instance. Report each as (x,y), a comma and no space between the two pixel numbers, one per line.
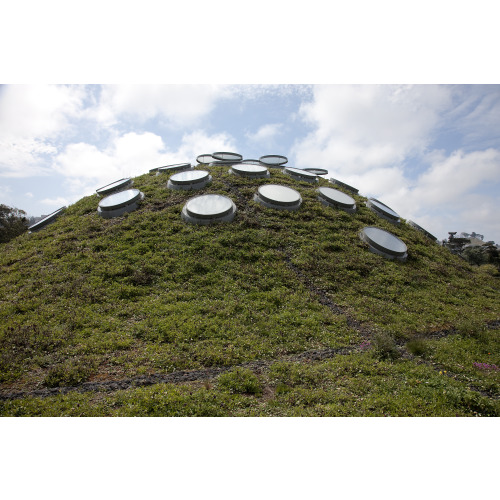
(13,222)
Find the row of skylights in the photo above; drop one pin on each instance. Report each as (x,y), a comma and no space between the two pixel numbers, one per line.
(204,209)
(227,158)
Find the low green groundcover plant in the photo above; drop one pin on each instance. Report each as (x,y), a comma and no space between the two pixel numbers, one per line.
(90,300)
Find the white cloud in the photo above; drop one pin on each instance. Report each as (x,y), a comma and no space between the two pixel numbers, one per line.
(38,111)
(265,134)
(359,127)
(24,157)
(198,142)
(87,167)
(446,196)
(57,202)
(446,181)
(180,105)
(30,118)
(368,135)
(28,195)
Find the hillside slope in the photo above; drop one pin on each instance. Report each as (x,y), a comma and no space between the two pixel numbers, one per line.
(317,324)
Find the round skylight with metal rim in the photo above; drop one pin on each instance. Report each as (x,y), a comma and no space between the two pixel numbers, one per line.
(337,199)
(177,167)
(317,171)
(250,170)
(117,204)
(344,185)
(382,210)
(279,197)
(209,208)
(422,230)
(301,175)
(273,160)
(227,156)
(189,179)
(48,219)
(384,243)
(115,186)
(251,162)
(205,159)
(222,163)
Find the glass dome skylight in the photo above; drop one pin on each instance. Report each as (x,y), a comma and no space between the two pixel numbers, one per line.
(48,219)
(422,230)
(337,199)
(227,156)
(344,185)
(301,175)
(317,171)
(273,160)
(205,159)
(189,179)
(117,204)
(382,210)
(177,167)
(384,243)
(249,170)
(114,187)
(279,197)
(209,208)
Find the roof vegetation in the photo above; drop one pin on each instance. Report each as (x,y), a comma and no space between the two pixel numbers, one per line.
(276,313)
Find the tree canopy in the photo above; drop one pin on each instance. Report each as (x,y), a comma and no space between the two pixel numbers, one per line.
(13,222)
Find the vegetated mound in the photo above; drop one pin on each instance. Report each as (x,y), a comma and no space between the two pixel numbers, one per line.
(89,300)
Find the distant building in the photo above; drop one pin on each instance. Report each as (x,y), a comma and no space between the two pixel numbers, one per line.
(472,235)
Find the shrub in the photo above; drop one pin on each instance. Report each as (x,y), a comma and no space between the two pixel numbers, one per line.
(68,374)
(418,347)
(240,381)
(468,327)
(385,346)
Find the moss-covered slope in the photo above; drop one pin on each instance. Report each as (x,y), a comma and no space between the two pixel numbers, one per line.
(88,299)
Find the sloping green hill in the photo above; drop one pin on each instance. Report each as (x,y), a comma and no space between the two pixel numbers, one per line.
(275,313)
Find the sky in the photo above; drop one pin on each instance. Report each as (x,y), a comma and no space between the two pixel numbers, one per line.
(430,152)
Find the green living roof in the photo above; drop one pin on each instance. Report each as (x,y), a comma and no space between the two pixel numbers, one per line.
(275,313)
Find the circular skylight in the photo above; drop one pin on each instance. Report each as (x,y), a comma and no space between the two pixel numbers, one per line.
(226,156)
(382,210)
(280,197)
(337,199)
(46,220)
(301,175)
(189,179)
(247,170)
(221,163)
(117,204)
(178,167)
(344,185)
(273,160)
(205,158)
(317,171)
(251,162)
(384,243)
(209,208)
(115,186)
(421,229)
